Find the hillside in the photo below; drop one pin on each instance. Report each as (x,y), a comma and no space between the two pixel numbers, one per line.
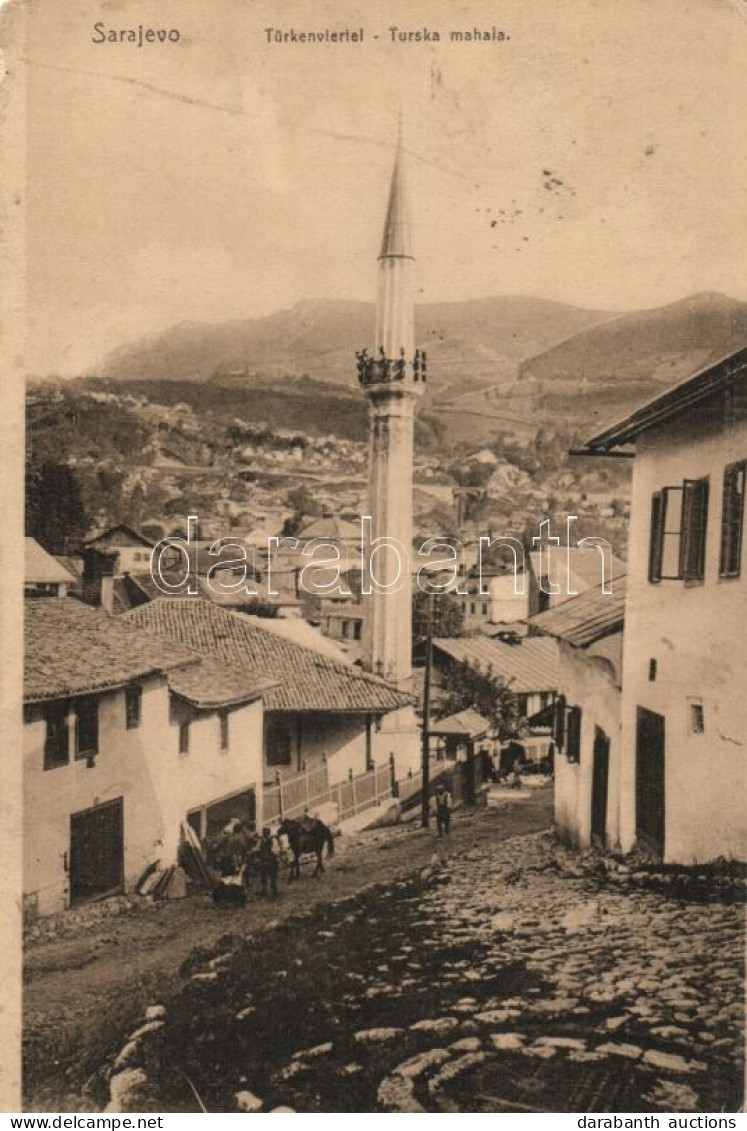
(468,343)
(663,344)
(603,371)
(313,407)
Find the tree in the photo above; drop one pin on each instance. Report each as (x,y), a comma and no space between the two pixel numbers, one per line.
(448,615)
(469,686)
(55,514)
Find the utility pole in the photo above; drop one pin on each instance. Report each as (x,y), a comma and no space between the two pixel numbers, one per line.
(426,714)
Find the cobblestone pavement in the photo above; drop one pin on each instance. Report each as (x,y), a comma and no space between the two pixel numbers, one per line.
(89,976)
(503,979)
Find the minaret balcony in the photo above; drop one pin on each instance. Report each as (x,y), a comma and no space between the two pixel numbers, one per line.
(383,370)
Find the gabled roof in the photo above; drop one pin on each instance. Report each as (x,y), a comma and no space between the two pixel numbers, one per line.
(680,397)
(119,535)
(583,620)
(72,649)
(528,666)
(41,568)
(465,724)
(307,680)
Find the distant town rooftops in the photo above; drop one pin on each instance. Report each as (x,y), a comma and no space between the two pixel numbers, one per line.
(307,680)
(40,568)
(72,649)
(585,619)
(692,391)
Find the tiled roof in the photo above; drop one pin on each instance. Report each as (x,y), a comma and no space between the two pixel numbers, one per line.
(72,649)
(41,568)
(211,684)
(468,724)
(308,681)
(528,666)
(587,618)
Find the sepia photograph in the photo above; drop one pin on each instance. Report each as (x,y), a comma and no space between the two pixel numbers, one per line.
(374,452)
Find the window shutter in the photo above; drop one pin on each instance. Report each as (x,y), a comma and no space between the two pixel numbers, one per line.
(560,711)
(656,540)
(732,519)
(574,735)
(694,525)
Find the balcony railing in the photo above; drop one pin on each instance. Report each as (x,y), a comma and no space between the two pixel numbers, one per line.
(383,370)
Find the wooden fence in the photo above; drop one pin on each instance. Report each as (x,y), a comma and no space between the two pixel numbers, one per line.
(292,797)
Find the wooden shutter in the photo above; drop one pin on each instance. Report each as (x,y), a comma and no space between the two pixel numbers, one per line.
(732,519)
(573,750)
(656,538)
(694,525)
(560,711)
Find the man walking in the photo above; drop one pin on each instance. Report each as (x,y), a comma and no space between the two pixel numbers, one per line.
(268,863)
(442,800)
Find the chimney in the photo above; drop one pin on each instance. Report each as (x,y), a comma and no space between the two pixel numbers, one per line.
(106,594)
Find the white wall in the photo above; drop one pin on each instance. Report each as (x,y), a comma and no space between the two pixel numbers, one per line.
(207,774)
(587,682)
(143,766)
(696,634)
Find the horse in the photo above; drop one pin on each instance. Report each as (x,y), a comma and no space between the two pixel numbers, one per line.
(304,838)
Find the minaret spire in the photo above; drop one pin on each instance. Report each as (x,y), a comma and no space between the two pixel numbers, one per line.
(396,241)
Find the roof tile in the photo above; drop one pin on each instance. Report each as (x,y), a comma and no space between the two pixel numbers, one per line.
(308,681)
(72,649)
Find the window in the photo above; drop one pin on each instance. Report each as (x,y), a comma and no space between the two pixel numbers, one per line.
(357,630)
(652,667)
(224,731)
(133,706)
(696,717)
(472,608)
(56,752)
(732,520)
(277,741)
(666,535)
(694,525)
(573,740)
(184,738)
(484,608)
(86,728)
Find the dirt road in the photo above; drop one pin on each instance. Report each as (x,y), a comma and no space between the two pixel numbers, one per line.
(83,993)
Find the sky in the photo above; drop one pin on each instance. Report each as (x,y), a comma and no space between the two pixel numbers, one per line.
(597,157)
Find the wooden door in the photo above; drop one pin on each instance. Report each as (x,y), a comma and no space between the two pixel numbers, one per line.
(650,802)
(97,851)
(599,787)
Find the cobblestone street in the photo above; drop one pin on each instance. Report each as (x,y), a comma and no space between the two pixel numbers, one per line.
(506,978)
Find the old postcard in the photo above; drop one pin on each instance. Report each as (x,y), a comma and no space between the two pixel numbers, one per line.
(374,610)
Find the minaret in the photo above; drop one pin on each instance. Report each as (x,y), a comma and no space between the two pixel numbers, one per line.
(392,378)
